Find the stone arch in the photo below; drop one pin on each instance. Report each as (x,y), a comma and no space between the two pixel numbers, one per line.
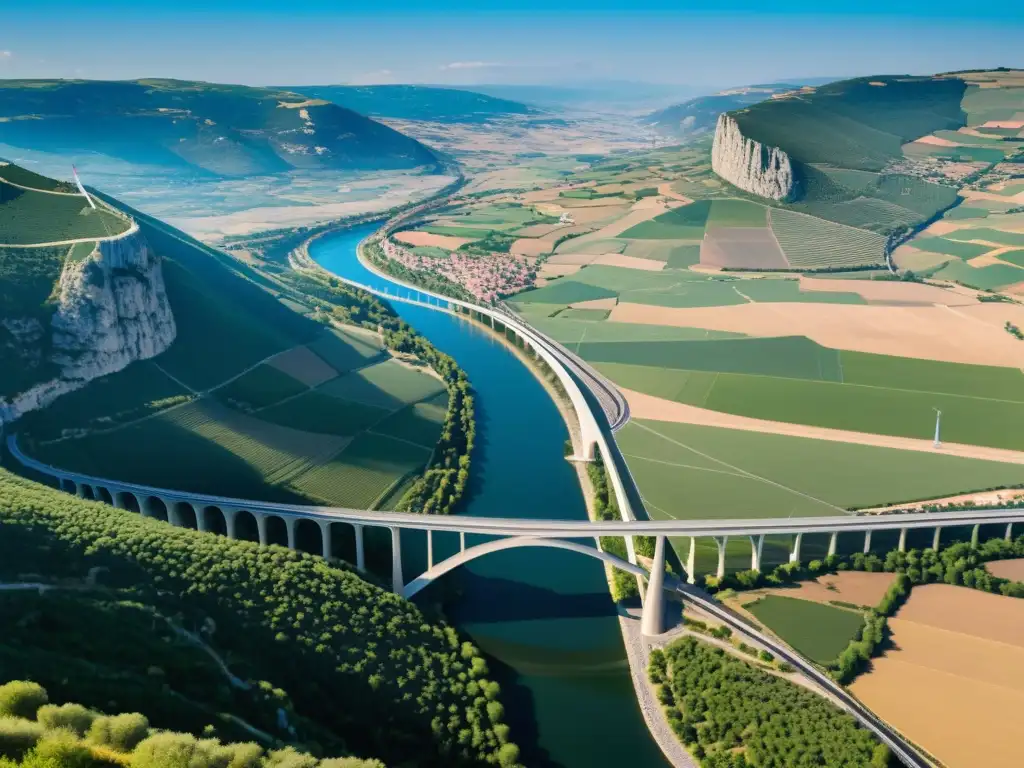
(214,520)
(515,542)
(104,495)
(155,507)
(185,515)
(277,530)
(246,528)
(308,536)
(128,500)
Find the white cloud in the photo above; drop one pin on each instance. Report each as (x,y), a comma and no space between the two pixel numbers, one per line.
(6,55)
(470,65)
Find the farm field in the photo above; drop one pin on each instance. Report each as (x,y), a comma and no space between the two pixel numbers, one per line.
(810,242)
(262,386)
(992,277)
(387,384)
(968,644)
(855,587)
(688,471)
(819,632)
(796,381)
(28,217)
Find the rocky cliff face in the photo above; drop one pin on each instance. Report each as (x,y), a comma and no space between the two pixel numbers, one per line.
(749,165)
(112,310)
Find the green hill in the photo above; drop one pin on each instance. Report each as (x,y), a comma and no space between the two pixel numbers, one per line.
(696,116)
(416,102)
(226,639)
(218,130)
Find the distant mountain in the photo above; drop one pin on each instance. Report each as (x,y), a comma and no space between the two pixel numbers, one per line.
(595,96)
(218,130)
(415,102)
(699,115)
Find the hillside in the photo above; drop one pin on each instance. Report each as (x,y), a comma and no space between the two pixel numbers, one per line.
(698,116)
(214,130)
(227,639)
(415,102)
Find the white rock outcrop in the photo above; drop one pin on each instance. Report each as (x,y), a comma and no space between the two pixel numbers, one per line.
(112,310)
(749,165)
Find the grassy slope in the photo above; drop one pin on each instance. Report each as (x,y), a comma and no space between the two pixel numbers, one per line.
(820,632)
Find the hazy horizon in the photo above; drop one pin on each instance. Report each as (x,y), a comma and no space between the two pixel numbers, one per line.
(706,46)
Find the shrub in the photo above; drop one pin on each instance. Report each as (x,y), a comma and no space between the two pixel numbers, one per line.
(61,748)
(120,732)
(74,717)
(20,698)
(18,736)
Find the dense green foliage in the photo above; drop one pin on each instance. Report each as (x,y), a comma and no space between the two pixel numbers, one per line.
(37,734)
(357,661)
(733,715)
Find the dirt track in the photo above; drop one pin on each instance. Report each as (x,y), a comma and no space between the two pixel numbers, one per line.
(643,406)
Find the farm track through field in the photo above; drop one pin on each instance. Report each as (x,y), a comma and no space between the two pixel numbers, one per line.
(644,406)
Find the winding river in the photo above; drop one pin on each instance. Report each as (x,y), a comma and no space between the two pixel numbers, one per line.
(544,617)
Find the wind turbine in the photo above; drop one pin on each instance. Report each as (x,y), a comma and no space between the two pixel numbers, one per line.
(938,420)
(78,181)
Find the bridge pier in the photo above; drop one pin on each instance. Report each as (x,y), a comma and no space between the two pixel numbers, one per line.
(721,542)
(833,544)
(229,522)
(396,561)
(936,537)
(903,540)
(652,620)
(261,527)
(360,550)
(430,549)
(289,527)
(756,547)
(173,516)
(325,540)
(794,556)
(462,541)
(80,490)
(118,499)
(691,562)
(974,536)
(1009,531)
(201,520)
(867,542)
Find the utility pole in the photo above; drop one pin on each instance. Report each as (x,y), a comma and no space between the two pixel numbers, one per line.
(938,420)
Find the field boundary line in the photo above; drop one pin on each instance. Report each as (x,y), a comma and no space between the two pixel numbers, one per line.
(684,466)
(396,439)
(743,471)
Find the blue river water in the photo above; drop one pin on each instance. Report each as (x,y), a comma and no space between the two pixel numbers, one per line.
(544,617)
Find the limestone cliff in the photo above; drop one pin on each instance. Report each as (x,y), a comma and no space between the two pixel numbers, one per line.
(111,310)
(749,165)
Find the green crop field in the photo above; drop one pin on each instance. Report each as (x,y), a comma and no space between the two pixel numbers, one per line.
(565,292)
(344,350)
(419,423)
(949,247)
(683,257)
(262,386)
(572,331)
(178,448)
(965,212)
(28,217)
(985,104)
(81,251)
(690,472)
(987,278)
(362,473)
(471,232)
(991,235)
(1013,257)
(772,289)
(388,385)
(684,223)
(805,384)
(26,178)
(811,242)
(319,413)
(678,254)
(580,245)
(590,315)
(820,632)
(736,213)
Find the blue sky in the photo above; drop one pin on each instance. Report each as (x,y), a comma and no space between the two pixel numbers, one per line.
(700,44)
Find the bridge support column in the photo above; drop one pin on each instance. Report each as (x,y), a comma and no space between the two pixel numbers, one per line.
(462,541)
(261,527)
(691,562)
(229,522)
(430,549)
(756,547)
(289,527)
(325,540)
(80,490)
(173,516)
(1009,531)
(720,573)
(974,535)
(201,519)
(396,561)
(794,556)
(833,543)
(903,540)
(936,537)
(652,621)
(867,542)
(360,550)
